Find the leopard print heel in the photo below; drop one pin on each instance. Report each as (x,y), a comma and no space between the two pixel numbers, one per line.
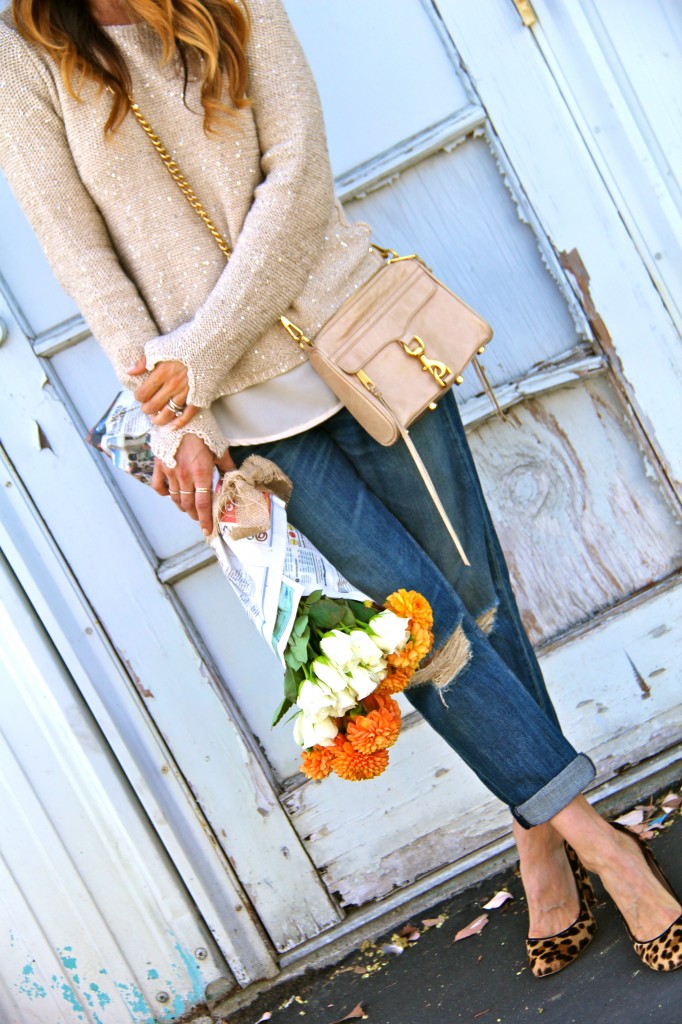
(552,954)
(664,953)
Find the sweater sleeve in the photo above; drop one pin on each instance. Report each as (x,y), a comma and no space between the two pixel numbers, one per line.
(283,234)
(37,161)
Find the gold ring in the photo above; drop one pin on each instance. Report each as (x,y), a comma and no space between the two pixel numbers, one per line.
(173,492)
(203,490)
(185,492)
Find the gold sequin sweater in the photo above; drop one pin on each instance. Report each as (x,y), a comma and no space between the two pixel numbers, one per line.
(125,244)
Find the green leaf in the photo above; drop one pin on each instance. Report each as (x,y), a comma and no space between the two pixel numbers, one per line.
(328,613)
(281,711)
(297,657)
(348,618)
(292,661)
(300,625)
(361,612)
(312,598)
(291,681)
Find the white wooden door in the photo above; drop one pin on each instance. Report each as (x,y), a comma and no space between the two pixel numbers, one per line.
(96,925)
(448,133)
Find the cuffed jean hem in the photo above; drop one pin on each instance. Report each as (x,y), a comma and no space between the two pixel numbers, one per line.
(557,794)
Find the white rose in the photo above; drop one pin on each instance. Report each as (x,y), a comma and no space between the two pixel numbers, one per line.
(310,731)
(365,648)
(315,698)
(345,700)
(390,631)
(362,682)
(329,674)
(338,647)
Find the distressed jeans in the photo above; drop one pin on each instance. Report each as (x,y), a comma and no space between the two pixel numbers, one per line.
(366,508)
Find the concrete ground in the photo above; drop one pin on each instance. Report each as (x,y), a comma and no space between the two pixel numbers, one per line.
(485,977)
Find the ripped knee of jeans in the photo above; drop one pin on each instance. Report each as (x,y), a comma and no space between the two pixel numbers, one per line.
(447,662)
(486,620)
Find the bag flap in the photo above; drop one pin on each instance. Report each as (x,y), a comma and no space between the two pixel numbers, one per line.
(389,322)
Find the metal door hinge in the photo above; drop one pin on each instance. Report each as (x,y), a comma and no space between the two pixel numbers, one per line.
(526,12)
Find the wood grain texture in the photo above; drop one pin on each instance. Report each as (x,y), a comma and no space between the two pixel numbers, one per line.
(579,512)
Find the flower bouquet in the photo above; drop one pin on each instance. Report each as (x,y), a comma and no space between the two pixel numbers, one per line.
(344,661)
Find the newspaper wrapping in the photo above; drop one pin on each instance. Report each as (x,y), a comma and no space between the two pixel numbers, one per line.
(272,570)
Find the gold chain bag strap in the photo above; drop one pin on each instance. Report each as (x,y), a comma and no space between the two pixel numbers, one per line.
(392,350)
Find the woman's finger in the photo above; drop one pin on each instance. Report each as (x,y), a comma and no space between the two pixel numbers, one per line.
(159,402)
(204,506)
(159,481)
(188,414)
(173,486)
(171,373)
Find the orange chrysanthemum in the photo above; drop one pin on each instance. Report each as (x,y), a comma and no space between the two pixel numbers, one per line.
(353,765)
(378,729)
(395,681)
(317,762)
(416,648)
(408,604)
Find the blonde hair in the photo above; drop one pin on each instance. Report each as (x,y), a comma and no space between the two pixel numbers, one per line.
(209,34)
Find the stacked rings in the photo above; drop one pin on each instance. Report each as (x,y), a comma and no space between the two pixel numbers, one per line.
(177,410)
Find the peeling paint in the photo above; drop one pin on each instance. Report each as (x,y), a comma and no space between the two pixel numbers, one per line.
(29,987)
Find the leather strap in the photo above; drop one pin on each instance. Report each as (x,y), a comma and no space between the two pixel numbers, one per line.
(424,473)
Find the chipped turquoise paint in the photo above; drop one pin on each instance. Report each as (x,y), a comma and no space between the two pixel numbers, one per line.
(69,962)
(103,998)
(152,974)
(29,987)
(136,1003)
(195,976)
(70,997)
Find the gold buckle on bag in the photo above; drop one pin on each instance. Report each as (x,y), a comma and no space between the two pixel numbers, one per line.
(437,369)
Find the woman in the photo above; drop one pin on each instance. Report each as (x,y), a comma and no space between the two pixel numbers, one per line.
(198,341)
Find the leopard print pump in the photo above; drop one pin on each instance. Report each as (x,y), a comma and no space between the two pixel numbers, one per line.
(552,954)
(664,953)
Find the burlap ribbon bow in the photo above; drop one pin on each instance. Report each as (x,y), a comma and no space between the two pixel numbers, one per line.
(244,488)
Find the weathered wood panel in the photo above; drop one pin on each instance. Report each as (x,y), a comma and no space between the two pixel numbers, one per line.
(95,921)
(384,98)
(541,139)
(619,66)
(429,810)
(577,505)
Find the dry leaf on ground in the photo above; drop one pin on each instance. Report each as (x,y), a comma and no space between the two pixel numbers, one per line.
(266,1016)
(671,802)
(498,899)
(410,933)
(356,1013)
(476,926)
(635,817)
(434,922)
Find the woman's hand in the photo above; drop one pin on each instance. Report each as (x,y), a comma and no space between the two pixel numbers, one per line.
(189,482)
(168,381)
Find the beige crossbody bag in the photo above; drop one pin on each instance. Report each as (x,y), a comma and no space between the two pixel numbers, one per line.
(392,350)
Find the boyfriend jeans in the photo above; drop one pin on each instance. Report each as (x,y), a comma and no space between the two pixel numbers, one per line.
(366,508)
